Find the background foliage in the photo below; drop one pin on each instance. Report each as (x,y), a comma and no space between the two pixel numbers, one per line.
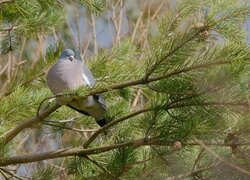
(175,75)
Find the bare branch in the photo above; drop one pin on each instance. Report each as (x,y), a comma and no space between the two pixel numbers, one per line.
(75,152)
(13,175)
(102,168)
(52,97)
(79,151)
(157,78)
(229,164)
(182,176)
(69,128)
(8,136)
(5,1)
(112,123)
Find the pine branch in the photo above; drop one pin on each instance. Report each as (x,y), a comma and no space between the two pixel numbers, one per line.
(102,168)
(192,173)
(76,152)
(152,68)
(5,1)
(79,151)
(13,175)
(143,80)
(68,128)
(172,105)
(112,123)
(208,103)
(227,163)
(8,136)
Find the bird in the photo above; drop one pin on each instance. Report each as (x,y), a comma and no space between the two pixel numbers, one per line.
(70,73)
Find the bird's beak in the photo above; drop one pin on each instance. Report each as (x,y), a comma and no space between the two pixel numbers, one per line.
(71,58)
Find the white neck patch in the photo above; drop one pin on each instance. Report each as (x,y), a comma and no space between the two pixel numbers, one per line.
(85,78)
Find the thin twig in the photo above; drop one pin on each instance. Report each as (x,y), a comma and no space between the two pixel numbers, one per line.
(5,1)
(72,32)
(62,121)
(101,167)
(112,123)
(78,29)
(52,97)
(69,128)
(118,33)
(79,151)
(136,27)
(166,163)
(158,10)
(199,156)
(32,79)
(9,135)
(3,174)
(229,164)
(94,33)
(183,176)
(13,175)
(164,107)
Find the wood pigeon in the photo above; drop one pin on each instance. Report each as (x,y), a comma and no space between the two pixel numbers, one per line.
(70,73)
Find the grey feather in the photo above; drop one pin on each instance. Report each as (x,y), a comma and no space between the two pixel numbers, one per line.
(88,74)
(68,74)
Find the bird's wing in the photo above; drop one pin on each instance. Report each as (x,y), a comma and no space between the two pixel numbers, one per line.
(78,110)
(88,76)
(101,100)
(90,80)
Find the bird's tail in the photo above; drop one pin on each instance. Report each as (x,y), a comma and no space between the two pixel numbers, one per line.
(101,122)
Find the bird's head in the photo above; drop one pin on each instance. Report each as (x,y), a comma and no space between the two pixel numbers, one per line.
(67,54)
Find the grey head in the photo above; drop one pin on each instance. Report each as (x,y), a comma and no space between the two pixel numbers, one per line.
(67,54)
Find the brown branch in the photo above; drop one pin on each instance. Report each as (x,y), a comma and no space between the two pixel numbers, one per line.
(3,174)
(102,168)
(75,152)
(209,103)
(112,87)
(8,136)
(112,123)
(153,79)
(5,1)
(187,69)
(52,97)
(152,69)
(229,164)
(14,176)
(79,151)
(32,79)
(192,173)
(68,128)
(172,105)
(199,156)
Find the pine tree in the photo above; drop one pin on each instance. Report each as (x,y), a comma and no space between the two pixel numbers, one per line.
(176,87)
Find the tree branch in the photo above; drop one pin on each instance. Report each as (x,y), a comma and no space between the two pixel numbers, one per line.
(8,136)
(192,173)
(172,105)
(229,164)
(112,123)
(75,152)
(5,1)
(69,128)
(152,69)
(79,151)
(14,176)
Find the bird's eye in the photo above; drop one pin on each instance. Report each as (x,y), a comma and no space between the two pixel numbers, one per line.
(71,58)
